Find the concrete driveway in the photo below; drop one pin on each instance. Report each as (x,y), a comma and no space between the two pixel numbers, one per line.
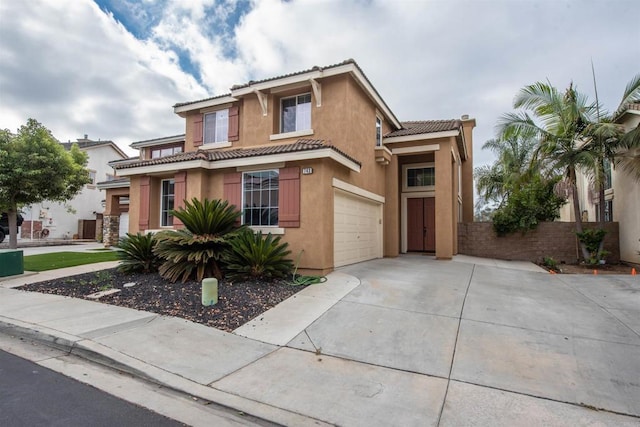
(424,342)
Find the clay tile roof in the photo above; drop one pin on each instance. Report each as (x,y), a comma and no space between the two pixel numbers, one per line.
(425,126)
(237,153)
(251,82)
(315,68)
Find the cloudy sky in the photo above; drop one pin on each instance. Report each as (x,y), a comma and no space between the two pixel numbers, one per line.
(112,69)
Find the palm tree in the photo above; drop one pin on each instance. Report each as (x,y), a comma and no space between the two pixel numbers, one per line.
(514,163)
(559,122)
(607,140)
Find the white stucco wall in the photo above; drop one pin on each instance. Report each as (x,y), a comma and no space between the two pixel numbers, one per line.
(64,224)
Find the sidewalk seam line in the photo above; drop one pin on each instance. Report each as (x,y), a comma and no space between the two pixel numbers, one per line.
(549,399)
(455,345)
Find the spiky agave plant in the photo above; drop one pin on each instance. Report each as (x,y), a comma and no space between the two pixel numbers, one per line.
(197,249)
(136,253)
(256,256)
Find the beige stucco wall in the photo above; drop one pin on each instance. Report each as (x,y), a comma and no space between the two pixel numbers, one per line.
(134,204)
(347,120)
(467,172)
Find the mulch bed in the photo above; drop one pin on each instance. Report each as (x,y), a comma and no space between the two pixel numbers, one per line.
(238,302)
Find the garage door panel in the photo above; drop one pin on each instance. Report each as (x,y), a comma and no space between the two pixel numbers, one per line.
(124,224)
(357,229)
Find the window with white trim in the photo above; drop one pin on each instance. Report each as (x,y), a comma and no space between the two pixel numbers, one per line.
(378,132)
(158,152)
(216,127)
(167,193)
(295,113)
(419,177)
(260,197)
(92,177)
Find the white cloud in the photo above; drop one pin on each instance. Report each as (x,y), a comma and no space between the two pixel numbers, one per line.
(428,59)
(87,76)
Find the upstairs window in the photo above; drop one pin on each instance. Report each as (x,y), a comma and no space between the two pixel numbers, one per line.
(607,174)
(216,127)
(378,132)
(167,193)
(260,197)
(92,177)
(419,177)
(158,152)
(295,113)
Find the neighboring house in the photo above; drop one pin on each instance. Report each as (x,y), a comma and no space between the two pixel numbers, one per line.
(80,216)
(316,156)
(622,197)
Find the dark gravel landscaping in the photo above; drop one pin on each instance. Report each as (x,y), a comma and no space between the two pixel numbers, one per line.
(238,302)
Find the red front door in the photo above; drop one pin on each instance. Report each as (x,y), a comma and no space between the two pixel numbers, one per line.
(421,224)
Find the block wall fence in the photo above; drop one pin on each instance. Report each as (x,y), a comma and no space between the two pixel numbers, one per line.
(551,239)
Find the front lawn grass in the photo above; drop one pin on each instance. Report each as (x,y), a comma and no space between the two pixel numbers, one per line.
(56,260)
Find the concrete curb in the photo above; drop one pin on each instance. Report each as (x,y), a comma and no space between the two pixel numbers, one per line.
(106,356)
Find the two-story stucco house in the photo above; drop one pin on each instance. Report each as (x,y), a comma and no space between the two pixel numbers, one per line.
(81,215)
(316,156)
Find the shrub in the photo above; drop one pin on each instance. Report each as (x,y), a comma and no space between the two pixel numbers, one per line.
(136,253)
(592,238)
(197,249)
(534,202)
(256,256)
(550,263)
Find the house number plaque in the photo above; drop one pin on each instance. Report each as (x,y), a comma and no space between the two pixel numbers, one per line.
(307,171)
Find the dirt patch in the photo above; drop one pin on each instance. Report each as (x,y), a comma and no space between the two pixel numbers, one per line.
(238,302)
(589,269)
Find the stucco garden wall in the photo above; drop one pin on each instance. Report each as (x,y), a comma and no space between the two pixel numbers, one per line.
(551,239)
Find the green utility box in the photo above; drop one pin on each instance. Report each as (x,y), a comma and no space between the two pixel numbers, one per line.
(11,262)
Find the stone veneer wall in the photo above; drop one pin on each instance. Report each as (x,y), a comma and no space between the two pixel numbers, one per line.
(110,229)
(550,239)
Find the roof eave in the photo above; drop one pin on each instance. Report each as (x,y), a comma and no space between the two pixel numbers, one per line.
(113,184)
(327,152)
(158,141)
(421,136)
(183,109)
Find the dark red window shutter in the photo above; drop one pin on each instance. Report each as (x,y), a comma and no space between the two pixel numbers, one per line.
(198,131)
(179,193)
(234,124)
(233,189)
(289,198)
(145,199)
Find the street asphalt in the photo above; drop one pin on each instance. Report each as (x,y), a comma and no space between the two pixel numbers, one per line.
(408,341)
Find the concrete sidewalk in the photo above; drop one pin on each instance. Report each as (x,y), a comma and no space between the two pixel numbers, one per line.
(405,341)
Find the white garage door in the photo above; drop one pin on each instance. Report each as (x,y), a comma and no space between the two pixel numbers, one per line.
(124,224)
(357,229)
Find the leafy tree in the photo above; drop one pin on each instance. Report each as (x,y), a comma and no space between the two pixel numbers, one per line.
(198,249)
(527,206)
(34,167)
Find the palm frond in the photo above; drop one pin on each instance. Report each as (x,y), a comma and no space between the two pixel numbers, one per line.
(631,94)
